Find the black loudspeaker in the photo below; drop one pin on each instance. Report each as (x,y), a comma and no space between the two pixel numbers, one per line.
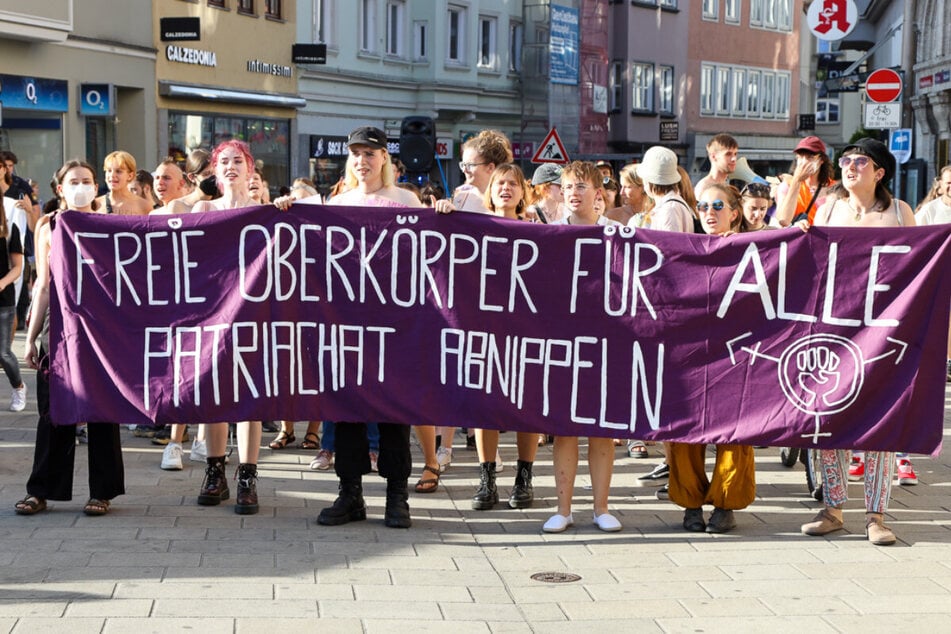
(417,143)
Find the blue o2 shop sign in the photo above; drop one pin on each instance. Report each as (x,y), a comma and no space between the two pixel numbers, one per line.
(97,100)
(34,93)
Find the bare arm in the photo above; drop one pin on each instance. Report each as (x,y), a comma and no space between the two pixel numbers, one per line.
(41,291)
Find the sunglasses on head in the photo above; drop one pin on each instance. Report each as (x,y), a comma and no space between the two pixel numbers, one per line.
(756,190)
(717,205)
(857,159)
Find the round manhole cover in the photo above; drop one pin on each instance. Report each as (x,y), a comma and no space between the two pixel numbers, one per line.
(556,577)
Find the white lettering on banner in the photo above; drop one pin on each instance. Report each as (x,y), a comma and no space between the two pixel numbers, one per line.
(751,260)
(190,55)
(484,362)
(630,287)
(405,278)
(181,270)
(288,352)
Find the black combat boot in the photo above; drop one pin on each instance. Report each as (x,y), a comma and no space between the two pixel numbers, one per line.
(246,500)
(214,488)
(397,507)
(488,495)
(522,493)
(349,505)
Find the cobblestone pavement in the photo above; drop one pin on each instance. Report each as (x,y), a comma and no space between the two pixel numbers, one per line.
(160,563)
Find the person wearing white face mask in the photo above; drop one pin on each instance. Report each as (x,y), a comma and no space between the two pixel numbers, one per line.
(55,452)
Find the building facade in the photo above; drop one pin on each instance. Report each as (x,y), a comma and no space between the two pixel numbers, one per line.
(455,61)
(231,76)
(75,84)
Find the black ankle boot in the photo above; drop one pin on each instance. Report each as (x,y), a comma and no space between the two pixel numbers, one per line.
(214,488)
(397,506)
(349,505)
(522,493)
(246,500)
(488,495)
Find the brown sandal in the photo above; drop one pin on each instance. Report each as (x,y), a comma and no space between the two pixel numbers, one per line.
(96,507)
(282,440)
(307,443)
(30,505)
(428,485)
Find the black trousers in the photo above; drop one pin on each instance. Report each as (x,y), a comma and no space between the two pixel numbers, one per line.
(55,453)
(352,451)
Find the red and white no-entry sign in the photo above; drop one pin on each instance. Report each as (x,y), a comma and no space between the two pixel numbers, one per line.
(883,85)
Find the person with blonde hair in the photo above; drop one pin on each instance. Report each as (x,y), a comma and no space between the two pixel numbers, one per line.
(635,203)
(120,170)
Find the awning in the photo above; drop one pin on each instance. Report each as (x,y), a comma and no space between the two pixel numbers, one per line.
(208,93)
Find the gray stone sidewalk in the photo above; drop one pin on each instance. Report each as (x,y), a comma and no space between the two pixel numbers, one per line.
(160,563)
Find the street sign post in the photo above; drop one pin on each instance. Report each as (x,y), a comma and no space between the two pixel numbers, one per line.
(552,150)
(882,116)
(883,85)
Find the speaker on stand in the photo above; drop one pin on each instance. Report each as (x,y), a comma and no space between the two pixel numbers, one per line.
(418,145)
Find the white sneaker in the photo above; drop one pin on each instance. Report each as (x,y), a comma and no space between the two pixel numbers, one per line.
(172,457)
(558,523)
(607,522)
(18,400)
(323,461)
(199,452)
(444,458)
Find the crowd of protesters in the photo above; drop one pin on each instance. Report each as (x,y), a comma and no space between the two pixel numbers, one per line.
(655,193)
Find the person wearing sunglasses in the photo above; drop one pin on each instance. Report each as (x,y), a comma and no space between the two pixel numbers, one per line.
(812,179)
(867,166)
(732,485)
(755,200)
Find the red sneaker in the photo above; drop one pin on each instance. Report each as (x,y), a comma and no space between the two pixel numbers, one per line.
(857,468)
(906,472)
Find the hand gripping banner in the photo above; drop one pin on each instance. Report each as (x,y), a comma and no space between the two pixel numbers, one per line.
(831,338)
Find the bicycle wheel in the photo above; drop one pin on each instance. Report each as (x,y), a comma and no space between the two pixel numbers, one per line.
(813,473)
(789,456)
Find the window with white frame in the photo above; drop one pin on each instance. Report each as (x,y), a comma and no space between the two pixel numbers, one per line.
(752,93)
(744,92)
(616,87)
(368,26)
(731,11)
(767,95)
(395,30)
(456,35)
(706,89)
(323,22)
(711,9)
(665,90)
(827,110)
(723,90)
(642,87)
(756,12)
(516,35)
(772,15)
(420,44)
(488,50)
(738,101)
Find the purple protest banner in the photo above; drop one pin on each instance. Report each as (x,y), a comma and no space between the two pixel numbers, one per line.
(834,338)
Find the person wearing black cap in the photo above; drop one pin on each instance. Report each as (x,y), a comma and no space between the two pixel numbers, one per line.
(867,166)
(370,177)
(812,178)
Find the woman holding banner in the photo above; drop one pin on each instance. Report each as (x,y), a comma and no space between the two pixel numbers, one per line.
(55,452)
(867,166)
(370,182)
(732,485)
(234,167)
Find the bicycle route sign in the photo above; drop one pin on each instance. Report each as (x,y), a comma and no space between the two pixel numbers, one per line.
(883,116)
